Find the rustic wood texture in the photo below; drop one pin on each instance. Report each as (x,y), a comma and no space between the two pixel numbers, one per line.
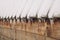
(23,30)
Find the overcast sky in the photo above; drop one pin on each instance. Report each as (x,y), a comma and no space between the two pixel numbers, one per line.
(30,7)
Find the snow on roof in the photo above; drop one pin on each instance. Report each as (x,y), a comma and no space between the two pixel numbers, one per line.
(30,7)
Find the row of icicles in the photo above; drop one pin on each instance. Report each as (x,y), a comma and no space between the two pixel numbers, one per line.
(25,19)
